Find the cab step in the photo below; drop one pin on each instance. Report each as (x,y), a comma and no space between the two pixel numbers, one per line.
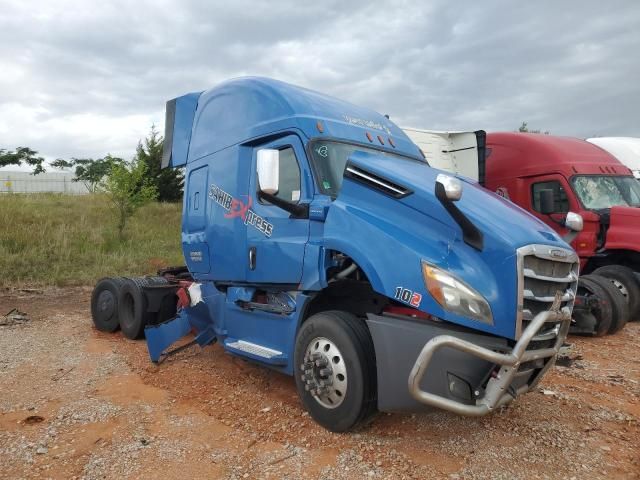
(255,351)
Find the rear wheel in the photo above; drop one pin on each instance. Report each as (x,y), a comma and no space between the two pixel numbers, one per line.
(133,308)
(619,305)
(335,370)
(626,281)
(104,304)
(596,316)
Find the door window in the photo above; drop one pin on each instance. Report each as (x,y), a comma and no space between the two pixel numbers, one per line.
(278,258)
(289,176)
(559,195)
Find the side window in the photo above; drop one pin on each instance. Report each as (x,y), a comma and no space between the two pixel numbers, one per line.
(289,176)
(559,195)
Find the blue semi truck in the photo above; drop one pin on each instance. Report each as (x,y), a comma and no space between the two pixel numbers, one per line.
(320,243)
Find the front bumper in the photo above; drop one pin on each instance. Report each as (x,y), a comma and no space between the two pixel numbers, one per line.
(457,369)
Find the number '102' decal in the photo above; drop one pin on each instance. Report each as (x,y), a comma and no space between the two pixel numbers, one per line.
(408,296)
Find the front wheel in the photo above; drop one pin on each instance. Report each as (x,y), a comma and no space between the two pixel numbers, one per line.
(596,317)
(626,281)
(619,304)
(335,370)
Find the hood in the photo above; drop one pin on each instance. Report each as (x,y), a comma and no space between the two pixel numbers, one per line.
(389,237)
(502,222)
(624,229)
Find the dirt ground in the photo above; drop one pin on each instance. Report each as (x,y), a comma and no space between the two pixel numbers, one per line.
(77,403)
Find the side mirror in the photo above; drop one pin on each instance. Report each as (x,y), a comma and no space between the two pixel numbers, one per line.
(547,202)
(573,221)
(268,167)
(451,185)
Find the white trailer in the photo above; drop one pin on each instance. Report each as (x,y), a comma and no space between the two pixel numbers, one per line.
(625,149)
(462,153)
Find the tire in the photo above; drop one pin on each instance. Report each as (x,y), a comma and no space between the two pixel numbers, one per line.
(627,283)
(597,322)
(132,306)
(619,305)
(104,304)
(351,353)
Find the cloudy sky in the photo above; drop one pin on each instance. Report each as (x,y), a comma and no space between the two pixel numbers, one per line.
(82,79)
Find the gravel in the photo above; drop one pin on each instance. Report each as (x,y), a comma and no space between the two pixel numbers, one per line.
(108,413)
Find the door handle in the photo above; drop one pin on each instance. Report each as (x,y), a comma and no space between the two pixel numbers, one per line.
(252,258)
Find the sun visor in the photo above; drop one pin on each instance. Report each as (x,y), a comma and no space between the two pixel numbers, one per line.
(177,134)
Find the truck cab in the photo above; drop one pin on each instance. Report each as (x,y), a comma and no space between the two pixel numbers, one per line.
(320,243)
(582,178)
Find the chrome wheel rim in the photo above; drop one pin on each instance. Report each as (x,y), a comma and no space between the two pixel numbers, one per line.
(324,372)
(623,290)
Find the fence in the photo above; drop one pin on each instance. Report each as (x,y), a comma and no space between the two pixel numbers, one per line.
(54,182)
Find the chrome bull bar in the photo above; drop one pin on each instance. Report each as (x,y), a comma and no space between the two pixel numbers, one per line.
(497,390)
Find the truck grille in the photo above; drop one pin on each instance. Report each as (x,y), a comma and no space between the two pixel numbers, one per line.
(542,271)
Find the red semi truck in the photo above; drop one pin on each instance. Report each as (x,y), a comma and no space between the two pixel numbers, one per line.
(582,178)
(554,178)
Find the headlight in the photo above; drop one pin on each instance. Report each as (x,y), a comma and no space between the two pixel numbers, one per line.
(456,296)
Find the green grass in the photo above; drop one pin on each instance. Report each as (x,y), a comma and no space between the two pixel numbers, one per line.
(51,239)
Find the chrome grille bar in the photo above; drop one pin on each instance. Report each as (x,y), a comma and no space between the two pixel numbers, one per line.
(528,294)
(529,273)
(544,270)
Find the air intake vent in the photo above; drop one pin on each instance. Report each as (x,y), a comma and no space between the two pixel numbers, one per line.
(376,182)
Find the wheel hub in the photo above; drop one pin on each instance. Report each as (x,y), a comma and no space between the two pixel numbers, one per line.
(106,302)
(623,290)
(324,372)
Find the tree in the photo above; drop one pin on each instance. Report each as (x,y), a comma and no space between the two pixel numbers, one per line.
(168,181)
(524,128)
(22,155)
(89,171)
(62,164)
(128,188)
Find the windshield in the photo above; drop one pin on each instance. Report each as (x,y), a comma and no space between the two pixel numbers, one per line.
(600,191)
(330,159)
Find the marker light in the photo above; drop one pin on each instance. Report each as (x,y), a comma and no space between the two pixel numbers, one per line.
(391,142)
(456,296)
(369,137)
(380,140)
(319,126)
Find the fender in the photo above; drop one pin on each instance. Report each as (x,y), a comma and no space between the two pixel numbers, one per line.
(389,235)
(624,229)
(388,240)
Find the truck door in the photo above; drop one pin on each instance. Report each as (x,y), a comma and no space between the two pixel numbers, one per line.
(565,201)
(562,195)
(275,241)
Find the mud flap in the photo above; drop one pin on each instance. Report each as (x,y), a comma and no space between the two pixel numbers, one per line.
(162,336)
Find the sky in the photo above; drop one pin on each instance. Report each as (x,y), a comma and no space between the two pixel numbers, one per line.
(83,79)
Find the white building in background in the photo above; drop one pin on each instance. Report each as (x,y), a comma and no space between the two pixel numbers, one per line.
(53,182)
